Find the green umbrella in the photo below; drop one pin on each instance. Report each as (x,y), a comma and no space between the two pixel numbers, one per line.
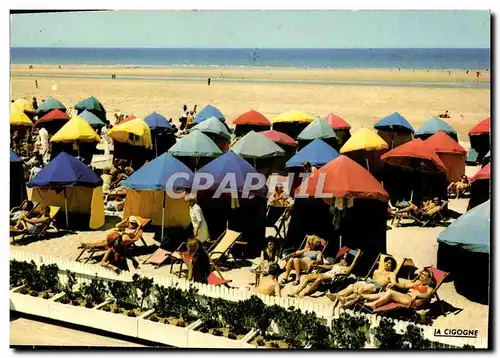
(214,126)
(319,128)
(92,105)
(48,105)
(255,145)
(195,144)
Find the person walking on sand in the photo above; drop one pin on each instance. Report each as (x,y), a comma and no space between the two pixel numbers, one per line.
(208,81)
(44,141)
(184,117)
(200,227)
(36,83)
(105,140)
(34,104)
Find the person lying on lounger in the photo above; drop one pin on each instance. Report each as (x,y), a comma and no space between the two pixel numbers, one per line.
(342,267)
(116,255)
(379,280)
(132,233)
(29,225)
(420,290)
(459,187)
(23,210)
(428,207)
(302,260)
(269,284)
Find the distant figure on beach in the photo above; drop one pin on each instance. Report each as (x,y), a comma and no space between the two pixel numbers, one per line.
(36,83)
(113,76)
(444,115)
(449,73)
(34,103)
(477,74)
(31,67)
(467,72)
(209,81)
(184,117)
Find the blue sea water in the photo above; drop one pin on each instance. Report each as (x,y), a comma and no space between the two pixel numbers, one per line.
(436,58)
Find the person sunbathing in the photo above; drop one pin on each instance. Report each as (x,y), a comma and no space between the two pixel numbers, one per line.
(29,225)
(427,207)
(116,255)
(269,284)
(132,232)
(302,260)
(279,196)
(419,291)
(23,210)
(380,279)
(459,187)
(342,267)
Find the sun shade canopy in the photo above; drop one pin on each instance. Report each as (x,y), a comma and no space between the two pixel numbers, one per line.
(434,125)
(255,145)
(156,121)
(214,126)
(443,143)
(394,122)
(50,104)
(484,173)
(482,127)
(207,112)
(364,139)
(19,118)
(279,137)
(318,128)
(294,116)
(135,132)
(195,144)
(92,119)
(53,115)
(336,122)
(253,118)
(317,153)
(77,129)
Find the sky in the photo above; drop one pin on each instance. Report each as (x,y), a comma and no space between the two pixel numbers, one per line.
(250,29)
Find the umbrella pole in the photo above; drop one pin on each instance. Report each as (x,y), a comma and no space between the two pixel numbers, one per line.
(156,148)
(163,216)
(66,208)
(254,164)
(367,165)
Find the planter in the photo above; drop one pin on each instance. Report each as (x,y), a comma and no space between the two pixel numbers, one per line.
(197,339)
(161,332)
(28,304)
(95,318)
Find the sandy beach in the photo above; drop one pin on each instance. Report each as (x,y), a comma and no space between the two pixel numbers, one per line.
(360,105)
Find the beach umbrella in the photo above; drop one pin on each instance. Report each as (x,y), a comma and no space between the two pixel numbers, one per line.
(19,118)
(92,105)
(484,173)
(415,155)
(24,105)
(92,119)
(480,187)
(156,122)
(434,125)
(255,145)
(394,129)
(480,139)
(196,144)
(318,128)
(207,112)
(14,158)
(292,117)
(252,118)
(471,231)
(343,178)
(336,122)
(279,137)
(231,165)
(450,152)
(65,171)
(317,153)
(214,126)
(155,175)
(76,129)
(53,120)
(48,105)
(471,158)
(135,132)
(363,142)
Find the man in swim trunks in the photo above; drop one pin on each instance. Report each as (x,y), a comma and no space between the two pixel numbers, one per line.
(379,280)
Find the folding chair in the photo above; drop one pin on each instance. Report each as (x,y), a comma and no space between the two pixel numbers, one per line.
(215,280)
(43,227)
(436,217)
(143,222)
(418,304)
(92,251)
(341,278)
(222,247)
(31,212)
(276,218)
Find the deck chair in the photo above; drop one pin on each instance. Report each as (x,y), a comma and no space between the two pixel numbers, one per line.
(216,279)
(276,218)
(439,276)
(339,279)
(304,244)
(143,222)
(437,217)
(31,212)
(43,227)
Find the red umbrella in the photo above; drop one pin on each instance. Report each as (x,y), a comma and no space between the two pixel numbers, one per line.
(54,115)
(253,118)
(443,143)
(482,127)
(484,173)
(344,178)
(415,155)
(336,122)
(279,137)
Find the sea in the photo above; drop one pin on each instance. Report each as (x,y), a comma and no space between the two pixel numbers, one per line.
(403,58)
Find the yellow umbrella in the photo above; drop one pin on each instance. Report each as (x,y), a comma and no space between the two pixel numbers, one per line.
(141,134)
(76,129)
(24,105)
(294,116)
(18,118)
(364,139)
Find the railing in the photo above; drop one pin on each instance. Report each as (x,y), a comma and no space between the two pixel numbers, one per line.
(86,272)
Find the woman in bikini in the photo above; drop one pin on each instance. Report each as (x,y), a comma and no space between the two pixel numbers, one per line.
(418,292)
(302,260)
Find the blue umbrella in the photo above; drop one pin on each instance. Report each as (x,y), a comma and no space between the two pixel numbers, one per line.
(471,231)
(230,165)
(155,176)
(14,158)
(156,121)
(393,122)
(63,171)
(317,153)
(434,125)
(207,112)
(92,119)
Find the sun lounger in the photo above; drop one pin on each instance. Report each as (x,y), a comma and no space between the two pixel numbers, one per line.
(31,212)
(217,280)
(418,304)
(424,219)
(340,278)
(42,227)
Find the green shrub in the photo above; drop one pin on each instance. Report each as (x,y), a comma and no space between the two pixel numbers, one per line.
(95,292)
(349,332)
